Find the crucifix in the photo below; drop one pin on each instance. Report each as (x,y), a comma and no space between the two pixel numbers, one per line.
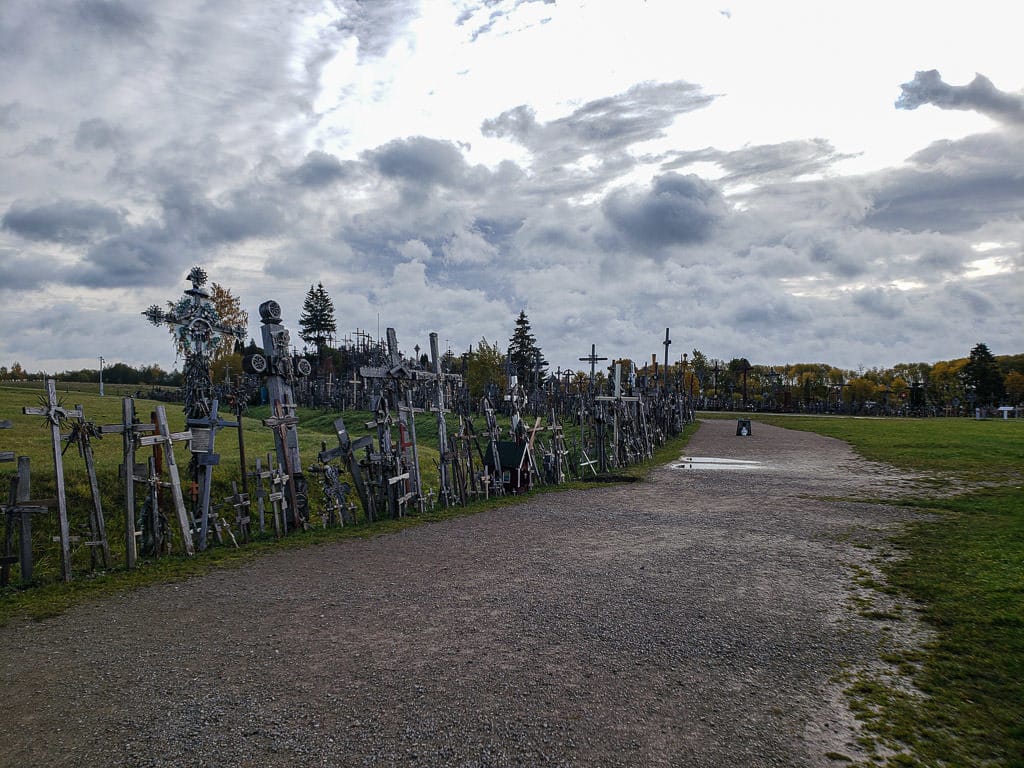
(56,414)
(165,439)
(593,359)
(204,435)
(129,428)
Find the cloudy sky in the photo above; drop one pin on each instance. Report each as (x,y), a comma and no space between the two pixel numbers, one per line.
(785,181)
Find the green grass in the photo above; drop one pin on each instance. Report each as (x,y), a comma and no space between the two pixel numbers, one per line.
(47,595)
(963,568)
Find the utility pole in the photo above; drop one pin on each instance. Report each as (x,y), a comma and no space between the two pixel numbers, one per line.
(101,375)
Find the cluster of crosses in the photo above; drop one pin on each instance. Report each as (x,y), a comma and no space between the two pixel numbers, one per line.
(618,427)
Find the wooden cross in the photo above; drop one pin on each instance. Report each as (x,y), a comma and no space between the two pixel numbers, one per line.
(240,503)
(129,429)
(56,414)
(19,505)
(593,359)
(166,439)
(615,400)
(282,422)
(277,496)
(259,475)
(346,452)
(408,448)
(447,492)
(81,435)
(666,344)
(204,435)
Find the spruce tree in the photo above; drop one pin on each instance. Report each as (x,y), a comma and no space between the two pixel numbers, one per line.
(317,323)
(981,372)
(524,354)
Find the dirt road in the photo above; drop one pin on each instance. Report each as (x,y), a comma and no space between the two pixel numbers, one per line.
(695,619)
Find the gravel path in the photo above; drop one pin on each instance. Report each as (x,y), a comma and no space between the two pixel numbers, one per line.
(695,619)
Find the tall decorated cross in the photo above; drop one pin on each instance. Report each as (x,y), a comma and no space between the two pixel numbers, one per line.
(279,368)
(198,331)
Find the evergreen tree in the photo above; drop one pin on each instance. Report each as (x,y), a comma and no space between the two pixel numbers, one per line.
(523,352)
(982,373)
(317,323)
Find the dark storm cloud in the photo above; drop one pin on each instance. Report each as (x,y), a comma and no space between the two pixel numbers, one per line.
(243,214)
(419,160)
(766,162)
(376,25)
(71,222)
(952,186)
(97,133)
(979,95)
(319,169)
(640,114)
(24,272)
(146,255)
(110,16)
(677,210)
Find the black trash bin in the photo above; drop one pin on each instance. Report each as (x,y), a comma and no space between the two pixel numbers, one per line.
(742,427)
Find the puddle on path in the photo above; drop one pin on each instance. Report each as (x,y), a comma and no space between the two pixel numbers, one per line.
(710,462)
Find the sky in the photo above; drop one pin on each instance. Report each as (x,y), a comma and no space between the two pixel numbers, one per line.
(788,182)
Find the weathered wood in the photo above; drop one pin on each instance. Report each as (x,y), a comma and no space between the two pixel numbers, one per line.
(55,415)
(166,439)
(129,429)
(204,436)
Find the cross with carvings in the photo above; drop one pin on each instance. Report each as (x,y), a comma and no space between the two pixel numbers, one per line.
(55,414)
(346,451)
(283,421)
(198,331)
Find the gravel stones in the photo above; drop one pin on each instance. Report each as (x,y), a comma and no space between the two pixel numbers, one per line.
(698,618)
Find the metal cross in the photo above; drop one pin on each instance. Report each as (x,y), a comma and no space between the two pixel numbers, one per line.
(204,434)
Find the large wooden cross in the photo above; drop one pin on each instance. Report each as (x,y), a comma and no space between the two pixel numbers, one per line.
(129,429)
(21,507)
(81,435)
(593,359)
(616,399)
(346,451)
(283,423)
(56,414)
(166,439)
(204,435)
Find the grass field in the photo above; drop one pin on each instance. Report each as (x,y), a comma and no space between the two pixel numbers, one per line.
(960,700)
